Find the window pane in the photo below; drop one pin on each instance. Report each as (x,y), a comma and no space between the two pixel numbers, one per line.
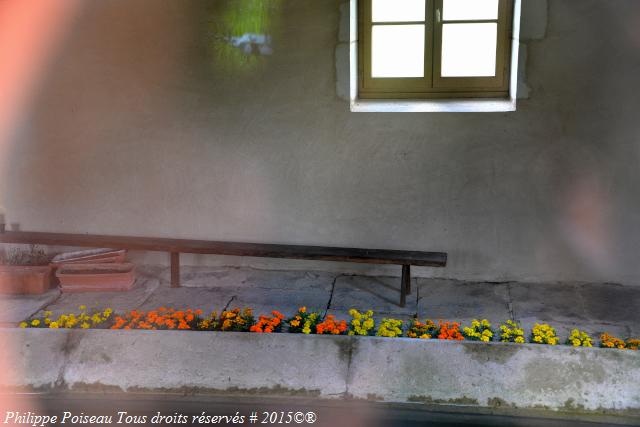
(459,10)
(397,10)
(397,51)
(469,50)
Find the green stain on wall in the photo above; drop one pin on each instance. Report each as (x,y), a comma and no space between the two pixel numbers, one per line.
(242,33)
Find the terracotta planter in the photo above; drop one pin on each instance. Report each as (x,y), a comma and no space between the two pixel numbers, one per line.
(22,279)
(96,277)
(93,256)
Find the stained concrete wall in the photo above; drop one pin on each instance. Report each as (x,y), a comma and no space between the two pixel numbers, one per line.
(558,378)
(149,124)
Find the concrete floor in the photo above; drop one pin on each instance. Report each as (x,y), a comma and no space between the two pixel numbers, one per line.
(593,307)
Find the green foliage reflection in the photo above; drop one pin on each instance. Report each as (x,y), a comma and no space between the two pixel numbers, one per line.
(243,32)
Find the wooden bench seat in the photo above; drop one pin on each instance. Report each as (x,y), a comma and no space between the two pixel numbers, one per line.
(264,250)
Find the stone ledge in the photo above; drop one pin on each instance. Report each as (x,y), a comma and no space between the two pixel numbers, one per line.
(496,375)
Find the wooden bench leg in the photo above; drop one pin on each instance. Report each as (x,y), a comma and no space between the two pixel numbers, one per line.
(405,284)
(175,269)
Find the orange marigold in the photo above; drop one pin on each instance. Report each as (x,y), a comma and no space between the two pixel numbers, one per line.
(450,331)
(331,326)
(268,324)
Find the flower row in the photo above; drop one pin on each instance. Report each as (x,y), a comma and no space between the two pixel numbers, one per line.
(309,322)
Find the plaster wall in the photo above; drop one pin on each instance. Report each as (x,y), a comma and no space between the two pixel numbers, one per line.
(147,123)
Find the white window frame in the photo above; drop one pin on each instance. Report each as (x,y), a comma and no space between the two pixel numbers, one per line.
(432,105)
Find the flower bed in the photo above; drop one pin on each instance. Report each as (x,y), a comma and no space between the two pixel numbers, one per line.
(307,322)
(84,319)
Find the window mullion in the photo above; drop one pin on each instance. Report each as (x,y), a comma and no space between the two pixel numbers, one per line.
(437,40)
(431,7)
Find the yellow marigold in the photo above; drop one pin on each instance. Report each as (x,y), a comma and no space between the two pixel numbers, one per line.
(390,328)
(544,334)
(24,324)
(35,322)
(480,330)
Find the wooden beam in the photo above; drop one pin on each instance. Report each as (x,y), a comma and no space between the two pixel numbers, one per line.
(323,253)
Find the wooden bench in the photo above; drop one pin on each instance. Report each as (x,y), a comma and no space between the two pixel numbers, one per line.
(177,246)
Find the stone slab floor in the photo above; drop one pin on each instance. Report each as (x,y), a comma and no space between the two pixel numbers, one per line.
(593,307)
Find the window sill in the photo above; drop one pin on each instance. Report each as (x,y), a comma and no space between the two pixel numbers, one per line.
(434,106)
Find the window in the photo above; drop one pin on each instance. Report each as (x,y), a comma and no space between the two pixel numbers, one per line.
(434,49)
